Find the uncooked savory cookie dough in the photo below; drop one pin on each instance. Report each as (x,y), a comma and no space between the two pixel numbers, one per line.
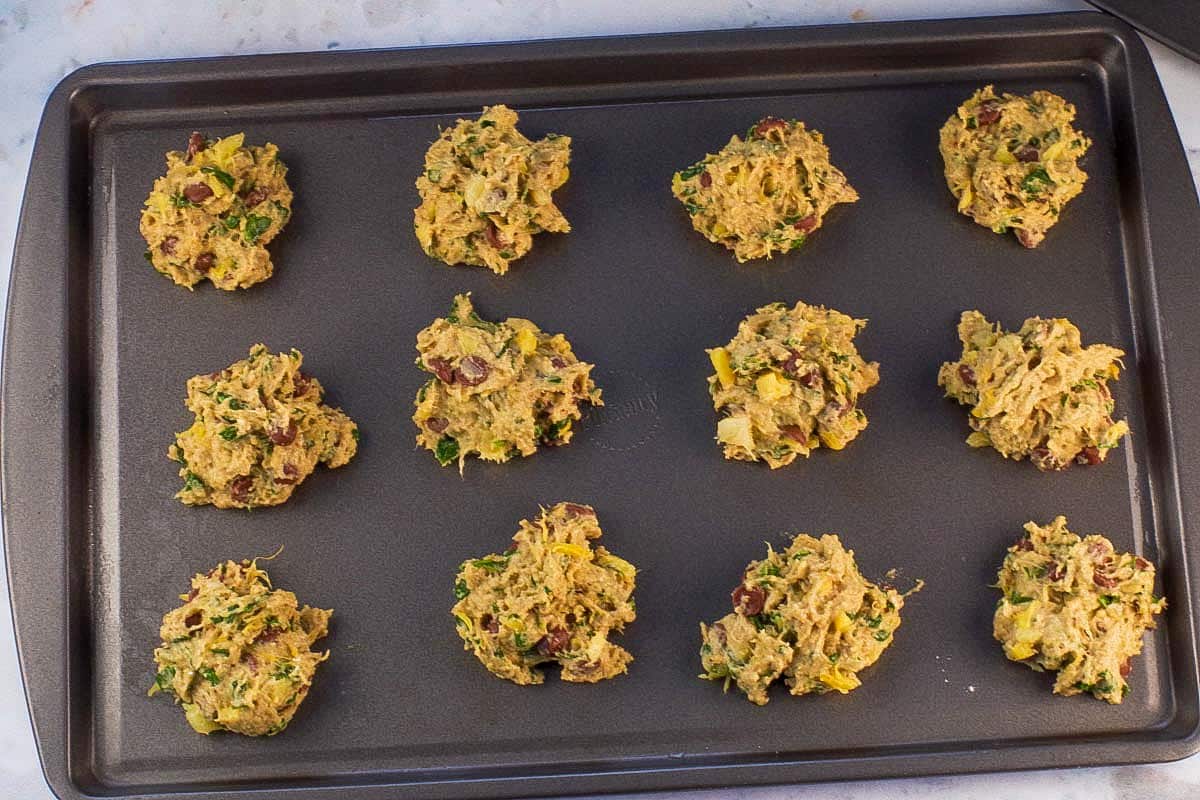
(237,655)
(214,211)
(486,191)
(1013,162)
(1076,606)
(499,388)
(1037,392)
(806,615)
(260,430)
(551,597)
(790,382)
(766,193)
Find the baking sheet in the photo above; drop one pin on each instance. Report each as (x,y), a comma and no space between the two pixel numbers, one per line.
(1175,23)
(98,348)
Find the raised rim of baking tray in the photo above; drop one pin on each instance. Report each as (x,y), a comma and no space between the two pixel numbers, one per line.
(45,415)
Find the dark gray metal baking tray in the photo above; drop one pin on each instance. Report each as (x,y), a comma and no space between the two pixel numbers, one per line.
(98,347)
(1175,23)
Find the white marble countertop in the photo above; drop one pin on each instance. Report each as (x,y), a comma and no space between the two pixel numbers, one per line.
(43,40)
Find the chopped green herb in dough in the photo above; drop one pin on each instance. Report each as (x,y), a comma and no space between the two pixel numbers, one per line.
(806,615)
(237,655)
(499,389)
(486,190)
(1075,606)
(213,213)
(1037,393)
(766,193)
(551,597)
(1013,161)
(789,382)
(261,428)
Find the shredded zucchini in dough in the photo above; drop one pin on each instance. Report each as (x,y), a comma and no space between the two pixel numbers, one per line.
(766,193)
(214,211)
(237,655)
(1076,606)
(1013,161)
(806,615)
(789,382)
(260,430)
(551,597)
(499,388)
(486,191)
(1036,393)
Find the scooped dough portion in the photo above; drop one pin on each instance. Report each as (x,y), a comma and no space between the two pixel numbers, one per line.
(499,389)
(1075,606)
(237,655)
(260,430)
(806,615)
(486,191)
(1013,161)
(1036,393)
(212,214)
(790,382)
(766,193)
(551,597)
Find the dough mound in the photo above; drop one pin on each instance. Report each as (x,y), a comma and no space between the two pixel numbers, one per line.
(1013,162)
(551,597)
(260,430)
(806,614)
(499,389)
(238,654)
(1075,606)
(766,193)
(790,382)
(486,191)
(1036,393)
(214,211)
